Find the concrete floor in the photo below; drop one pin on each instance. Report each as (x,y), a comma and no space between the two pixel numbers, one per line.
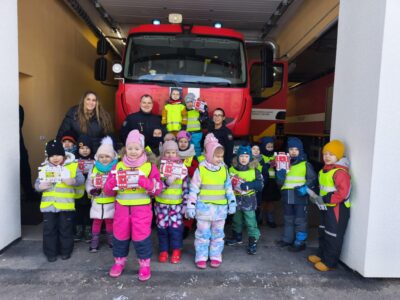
(273,273)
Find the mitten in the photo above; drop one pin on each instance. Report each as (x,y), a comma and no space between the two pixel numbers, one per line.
(45,185)
(231,209)
(244,186)
(69,181)
(146,183)
(190,213)
(301,191)
(327,198)
(170,180)
(281,175)
(95,192)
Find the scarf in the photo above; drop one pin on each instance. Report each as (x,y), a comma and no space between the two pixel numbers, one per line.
(105,168)
(188,152)
(135,163)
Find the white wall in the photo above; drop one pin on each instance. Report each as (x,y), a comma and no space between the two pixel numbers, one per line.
(10,224)
(366,115)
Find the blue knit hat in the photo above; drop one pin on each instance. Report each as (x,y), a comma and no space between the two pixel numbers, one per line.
(267,139)
(294,142)
(244,150)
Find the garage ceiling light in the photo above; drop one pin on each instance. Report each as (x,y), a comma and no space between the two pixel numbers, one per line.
(156,22)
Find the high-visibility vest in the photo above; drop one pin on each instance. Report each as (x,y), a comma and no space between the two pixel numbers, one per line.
(188,161)
(79,190)
(212,189)
(61,196)
(296,176)
(102,198)
(248,176)
(271,170)
(138,196)
(193,123)
(174,116)
(327,185)
(172,194)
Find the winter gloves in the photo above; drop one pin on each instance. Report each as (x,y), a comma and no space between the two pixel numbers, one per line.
(301,191)
(95,192)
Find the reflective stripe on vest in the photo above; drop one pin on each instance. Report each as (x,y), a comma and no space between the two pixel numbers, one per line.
(271,170)
(248,176)
(102,198)
(296,176)
(136,196)
(212,189)
(174,116)
(172,194)
(327,185)
(61,196)
(193,123)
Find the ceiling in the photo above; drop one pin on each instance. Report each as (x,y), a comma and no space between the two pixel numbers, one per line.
(256,19)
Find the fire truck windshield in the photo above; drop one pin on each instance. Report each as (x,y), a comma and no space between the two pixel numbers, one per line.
(191,60)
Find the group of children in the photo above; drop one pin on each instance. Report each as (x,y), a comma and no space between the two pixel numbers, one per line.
(201,190)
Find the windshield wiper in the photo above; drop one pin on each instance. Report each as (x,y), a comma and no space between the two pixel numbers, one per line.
(160,82)
(208,83)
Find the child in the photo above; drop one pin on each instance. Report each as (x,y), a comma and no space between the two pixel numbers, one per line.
(335,186)
(154,143)
(169,209)
(245,168)
(102,205)
(270,193)
(295,183)
(133,213)
(82,202)
(58,203)
(195,122)
(186,152)
(210,200)
(68,141)
(174,114)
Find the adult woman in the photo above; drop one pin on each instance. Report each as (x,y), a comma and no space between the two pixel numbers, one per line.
(222,133)
(147,123)
(88,117)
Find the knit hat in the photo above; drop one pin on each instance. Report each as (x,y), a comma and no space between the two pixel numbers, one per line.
(169,145)
(190,97)
(267,139)
(54,147)
(135,137)
(85,140)
(244,150)
(184,135)
(335,147)
(69,135)
(210,144)
(106,148)
(169,137)
(294,142)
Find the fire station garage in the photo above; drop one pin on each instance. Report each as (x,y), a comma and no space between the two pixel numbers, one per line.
(318,70)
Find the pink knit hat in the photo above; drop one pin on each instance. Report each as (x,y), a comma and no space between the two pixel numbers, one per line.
(210,144)
(107,148)
(169,145)
(135,137)
(183,135)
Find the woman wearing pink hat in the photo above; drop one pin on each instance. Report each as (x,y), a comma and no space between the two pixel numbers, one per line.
(133,210)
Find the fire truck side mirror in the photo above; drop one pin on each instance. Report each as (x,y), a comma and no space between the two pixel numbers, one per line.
(267,72)
(100,69)
(102,46)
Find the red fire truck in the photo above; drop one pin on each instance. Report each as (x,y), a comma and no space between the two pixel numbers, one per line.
(207,61)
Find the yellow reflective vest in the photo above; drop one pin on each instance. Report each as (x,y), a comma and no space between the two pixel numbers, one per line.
(327,185)
(102,198)
(172,194)
(138,196)
(193,123)
(61,196)
(212,188)
(296,176)
(248,176)
(174,116)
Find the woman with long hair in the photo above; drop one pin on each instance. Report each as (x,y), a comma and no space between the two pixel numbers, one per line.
(89,118)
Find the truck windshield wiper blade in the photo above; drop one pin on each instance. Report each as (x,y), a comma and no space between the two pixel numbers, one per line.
(160,82)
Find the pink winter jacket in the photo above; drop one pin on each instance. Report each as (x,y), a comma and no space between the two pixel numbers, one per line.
(152,184)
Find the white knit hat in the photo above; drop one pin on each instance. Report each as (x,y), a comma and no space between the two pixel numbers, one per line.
(106,148)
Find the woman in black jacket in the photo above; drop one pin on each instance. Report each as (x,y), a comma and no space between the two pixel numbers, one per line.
(88,117)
